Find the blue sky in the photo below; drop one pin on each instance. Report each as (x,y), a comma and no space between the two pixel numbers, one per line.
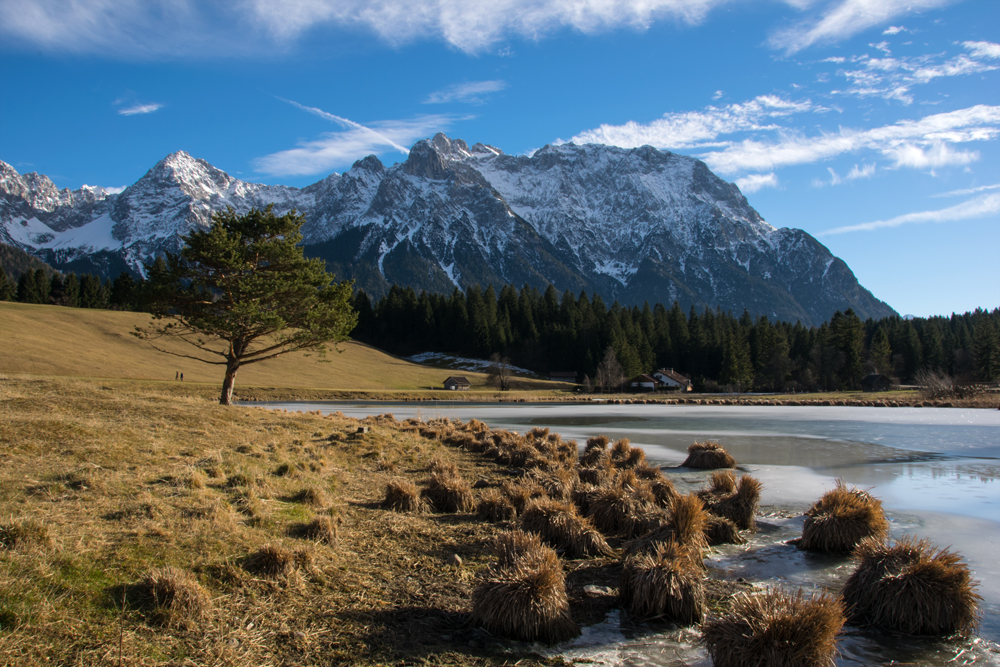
(871,124)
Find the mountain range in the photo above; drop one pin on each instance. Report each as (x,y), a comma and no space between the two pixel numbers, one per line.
(634,225)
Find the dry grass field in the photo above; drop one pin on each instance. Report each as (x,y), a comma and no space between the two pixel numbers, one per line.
(83,343)
(143,528)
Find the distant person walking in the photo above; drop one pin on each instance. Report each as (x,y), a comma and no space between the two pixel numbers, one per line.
(177,375)
(182,377)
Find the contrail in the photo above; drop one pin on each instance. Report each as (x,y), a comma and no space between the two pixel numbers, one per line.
(348,123)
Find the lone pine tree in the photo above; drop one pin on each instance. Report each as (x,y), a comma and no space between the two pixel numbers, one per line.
(241,292)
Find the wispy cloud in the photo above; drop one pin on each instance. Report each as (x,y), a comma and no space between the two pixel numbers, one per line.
(893,78)
(470,92)
(139,109)
(755,182)
(894,30)
(378,137)
(968,191)
(168,28)
(865,171)
(693,128)
(937,155)
(980,207)
(847,18)
(337,149)
(978,123)
(983,49)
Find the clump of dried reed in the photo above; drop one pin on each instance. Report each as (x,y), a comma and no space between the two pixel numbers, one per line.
(665,585)
(171,597)
(708,455)
(495,507)
(271,561)
(561,526)
(312,496)
(684,523)
(775,629)
(522,492)
(449,494)
(739,506)
(403,496)
(722,531)
(440,466)
(841,519)
(911,588)
(617,510)
(321,529)
(523,595)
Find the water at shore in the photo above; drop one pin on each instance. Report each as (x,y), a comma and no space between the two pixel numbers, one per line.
(937,472)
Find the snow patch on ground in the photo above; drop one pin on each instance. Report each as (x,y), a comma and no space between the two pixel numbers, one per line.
(448,361)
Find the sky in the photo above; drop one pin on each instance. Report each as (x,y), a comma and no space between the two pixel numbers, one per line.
(871,124)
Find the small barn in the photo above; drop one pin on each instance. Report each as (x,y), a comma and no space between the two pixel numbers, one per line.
(876,382)
(671,379)
(457,383)
(644,382)
(563,376)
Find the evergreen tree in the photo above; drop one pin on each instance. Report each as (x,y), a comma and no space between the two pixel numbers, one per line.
(71,291)
(122,295)
(847,335)
(986,345)
(880,353)
(92,292)
(245,283)
(27,289)
(7,287)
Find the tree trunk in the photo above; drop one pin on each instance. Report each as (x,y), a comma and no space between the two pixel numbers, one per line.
(232,365)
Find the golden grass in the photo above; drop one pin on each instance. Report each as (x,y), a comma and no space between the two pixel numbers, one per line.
(130,482)
(663,585)
(560,525)
(85,343)
(708,455)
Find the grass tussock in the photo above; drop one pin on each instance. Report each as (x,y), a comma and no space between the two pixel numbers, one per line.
(448,494)
(171,597)
(560,525)
(24,535)
(522,492)
(841,519)
(617,510)
(708,455)
(321,529)
(495,507)
(664,585)
(911,588)
(523,595)
(739,505)
(684,523)
(775,629)
(722,531)
(311,496)
(403,496)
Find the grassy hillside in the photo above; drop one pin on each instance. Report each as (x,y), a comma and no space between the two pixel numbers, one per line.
(82,343)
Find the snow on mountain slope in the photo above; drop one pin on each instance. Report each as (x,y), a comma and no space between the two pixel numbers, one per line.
(630,224)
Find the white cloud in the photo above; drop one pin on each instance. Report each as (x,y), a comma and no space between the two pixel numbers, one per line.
(983,49)
(980,207)
(969,191)
(718,94)
(139,109)
(866,171)
(336,149)
(894,30)
(978,123)
(848,18)
(937,155)
(470,92)
(692,128)
(755,182)
(893,78)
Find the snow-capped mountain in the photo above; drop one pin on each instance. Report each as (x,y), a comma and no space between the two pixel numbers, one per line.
(634,225)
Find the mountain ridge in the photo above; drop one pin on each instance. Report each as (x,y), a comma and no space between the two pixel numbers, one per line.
(630,224)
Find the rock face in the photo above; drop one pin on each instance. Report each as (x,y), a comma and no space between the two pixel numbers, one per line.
(633,225)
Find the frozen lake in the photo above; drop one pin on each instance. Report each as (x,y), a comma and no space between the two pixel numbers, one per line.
(936,470)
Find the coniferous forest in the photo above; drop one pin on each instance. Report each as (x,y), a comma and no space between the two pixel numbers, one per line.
(547,332)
